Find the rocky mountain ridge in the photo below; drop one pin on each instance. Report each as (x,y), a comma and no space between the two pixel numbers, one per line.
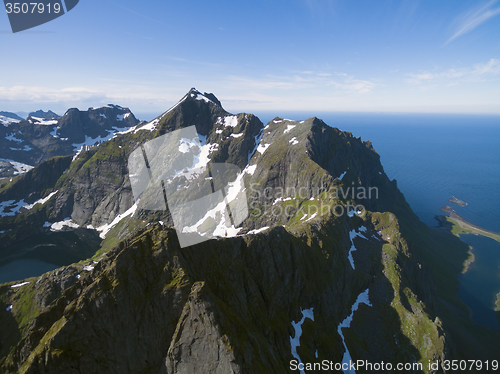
(229,304)
(45,134)
(48,115)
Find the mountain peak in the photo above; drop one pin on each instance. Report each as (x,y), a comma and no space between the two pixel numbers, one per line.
(207,97)
(49,115)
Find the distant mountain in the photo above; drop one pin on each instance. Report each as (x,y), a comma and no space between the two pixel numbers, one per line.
(11,115)
(22,114)
(44,115)
(305,277)
(36,139)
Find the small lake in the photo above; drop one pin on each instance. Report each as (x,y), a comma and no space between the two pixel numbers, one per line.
(45,252)
(480,284)
(25,268)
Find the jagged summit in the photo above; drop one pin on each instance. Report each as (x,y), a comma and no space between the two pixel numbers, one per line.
(194,93)
(45,134)
(49,115)
(194,108)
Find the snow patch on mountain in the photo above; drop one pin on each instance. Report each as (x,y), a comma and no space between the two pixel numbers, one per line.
(352,235)
(6,121)
(10,208)
(199,96)
(280,199)
(19,285)
(104,229)
(100,139)
(42,121)
(13,138)
(67,222)
(41,201)
(346,323)
(18,166)
(26,148)
(150,126)
(121,117)
(256,231)
(250,169)
(262,148)
(297,326)
(110,106)
(233,192)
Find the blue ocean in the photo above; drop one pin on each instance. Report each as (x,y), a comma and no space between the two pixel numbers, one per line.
(434,157)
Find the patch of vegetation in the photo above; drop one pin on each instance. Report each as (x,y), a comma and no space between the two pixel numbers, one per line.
(416,324)
(123,230)
(461,227)
(15,322)
(49,335)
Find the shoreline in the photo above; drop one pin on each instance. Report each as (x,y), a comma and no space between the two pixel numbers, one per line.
(457,225)
(469,228)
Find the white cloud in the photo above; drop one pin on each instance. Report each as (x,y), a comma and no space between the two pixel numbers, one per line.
(307,80)
(62,98)
(473,19)
(477,73)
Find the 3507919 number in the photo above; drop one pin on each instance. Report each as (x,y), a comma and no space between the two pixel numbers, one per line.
(25,8)
(468,365)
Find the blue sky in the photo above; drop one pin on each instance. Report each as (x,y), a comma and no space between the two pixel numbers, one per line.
(389,56)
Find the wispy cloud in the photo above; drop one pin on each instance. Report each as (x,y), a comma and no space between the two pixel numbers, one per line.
(83,97)
(477,73)
(136,13)
(308,80)
(268,90)
(473,18)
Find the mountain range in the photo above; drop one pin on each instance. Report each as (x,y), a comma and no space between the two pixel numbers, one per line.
(330,263)
(45,134)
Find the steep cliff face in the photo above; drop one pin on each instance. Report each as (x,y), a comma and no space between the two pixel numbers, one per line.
(321,268)
(228,305)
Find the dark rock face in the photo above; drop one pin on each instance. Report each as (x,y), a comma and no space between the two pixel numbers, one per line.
(52,284)
(218,307)
(94,123)
(44,115)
